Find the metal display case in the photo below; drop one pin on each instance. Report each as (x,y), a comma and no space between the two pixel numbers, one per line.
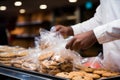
(12,73)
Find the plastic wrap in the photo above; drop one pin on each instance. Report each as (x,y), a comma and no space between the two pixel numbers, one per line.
(29,62)
(93,62)
(55,57)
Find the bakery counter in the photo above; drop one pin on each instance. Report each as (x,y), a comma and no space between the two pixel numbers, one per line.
(11,73)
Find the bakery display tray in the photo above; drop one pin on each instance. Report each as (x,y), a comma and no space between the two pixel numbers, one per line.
(12,73)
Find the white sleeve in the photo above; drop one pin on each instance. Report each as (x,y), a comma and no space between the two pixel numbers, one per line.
(108,32)
(89,24)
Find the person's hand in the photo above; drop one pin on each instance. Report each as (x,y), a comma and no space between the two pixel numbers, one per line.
(65,31)
(82,41)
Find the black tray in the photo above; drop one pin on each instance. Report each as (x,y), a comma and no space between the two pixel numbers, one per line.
(12,73)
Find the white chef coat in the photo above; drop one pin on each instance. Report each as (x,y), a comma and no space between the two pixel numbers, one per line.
(106,27)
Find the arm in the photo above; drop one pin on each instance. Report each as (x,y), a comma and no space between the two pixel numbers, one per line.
(108,32)
(89,24)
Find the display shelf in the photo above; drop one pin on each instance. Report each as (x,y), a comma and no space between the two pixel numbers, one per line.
(24,37)
(37,24)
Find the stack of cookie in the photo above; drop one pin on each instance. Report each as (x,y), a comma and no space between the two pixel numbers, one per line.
(88,74)
(25,63)
(8,53)
(51,63)
(6,57)
(29,62)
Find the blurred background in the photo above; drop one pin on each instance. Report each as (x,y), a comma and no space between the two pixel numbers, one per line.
(20,20)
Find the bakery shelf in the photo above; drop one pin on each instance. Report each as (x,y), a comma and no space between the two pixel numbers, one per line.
(28,24)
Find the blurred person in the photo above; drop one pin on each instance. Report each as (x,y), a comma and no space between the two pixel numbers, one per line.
(104,27)
(3,32)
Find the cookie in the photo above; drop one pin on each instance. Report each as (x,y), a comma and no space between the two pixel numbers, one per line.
(66,66)
(7,55)
(5,59)
(17,65)
(5,62)
(95,76)
(82,78)
(8,64)
(77,78)
(22,53)
(17,61)
(109,74)
(42,70)
(100,72)
(53,72)
(29,66)
(58,59)
(87,69)
(76,73)
(47,55)
(63,74)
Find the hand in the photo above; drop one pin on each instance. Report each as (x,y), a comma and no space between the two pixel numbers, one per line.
(82,41)
(65,31)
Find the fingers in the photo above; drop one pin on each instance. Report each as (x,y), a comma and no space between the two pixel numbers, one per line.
(76,45)
(58,27)
(69,45)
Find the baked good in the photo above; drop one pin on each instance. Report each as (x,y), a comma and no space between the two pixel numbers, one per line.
(94,76)
(81,78)
(5,59)
(63,74)
(7,55)
(5,62)
(110,74)
(17,65)
(47,55)
(100,72)
(29,66)
(76,73)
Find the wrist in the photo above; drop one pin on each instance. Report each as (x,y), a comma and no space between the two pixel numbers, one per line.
(93,36)
(70,31)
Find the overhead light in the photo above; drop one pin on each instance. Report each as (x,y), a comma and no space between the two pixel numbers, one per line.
(22,11)
(3,8)
(18,3)
(88,5)
(72,1)
(43,6)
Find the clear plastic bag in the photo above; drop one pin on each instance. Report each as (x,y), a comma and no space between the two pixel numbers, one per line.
(93,62)
(47,39)
(29,62)
(55,57)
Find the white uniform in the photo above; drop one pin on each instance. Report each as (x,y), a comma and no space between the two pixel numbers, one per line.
(106,27)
